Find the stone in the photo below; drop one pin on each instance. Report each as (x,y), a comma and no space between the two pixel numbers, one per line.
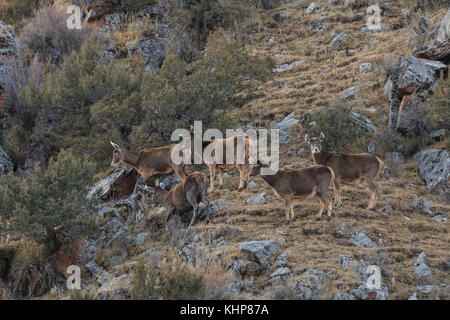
(364,293)
(443,32)
(259,251)
(342,296)
(288,121)
(365,67)
(423,274)
(282,259)
(422,258)
(425,289)
(422,205)
(251,184)
(286,66)
(258,199)
(349,93)
(103,188)
(413,296)
(338,40)
(439,218)
(141,237)
(243,268)
(438,51)
(169,181)
(434,169)
(346,261)
(387,209)
(100,275)
(270,4)
(437,133)
(310,8)
(280,274)
(115,288)
(341,230)
(360,239)
(6,164)
(363,122)
(373,43)
(304,290)
(411,114)
(317,281)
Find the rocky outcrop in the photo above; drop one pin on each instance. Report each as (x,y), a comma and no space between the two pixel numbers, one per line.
(259,251)
(443,32)
(5,162)
(433,167)
(7,50)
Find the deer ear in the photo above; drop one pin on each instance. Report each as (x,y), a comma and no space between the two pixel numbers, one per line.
(307,138)
(322,136)
(116,146)
(191,129)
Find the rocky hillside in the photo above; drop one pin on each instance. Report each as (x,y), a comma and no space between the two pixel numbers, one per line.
(392,80)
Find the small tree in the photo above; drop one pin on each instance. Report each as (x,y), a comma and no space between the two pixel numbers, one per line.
(50,200)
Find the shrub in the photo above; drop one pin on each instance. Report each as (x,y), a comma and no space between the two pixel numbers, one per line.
(143,286)
(15,11)
(50,199)
(439,111)
(31,273)
(47,35)
(341,133)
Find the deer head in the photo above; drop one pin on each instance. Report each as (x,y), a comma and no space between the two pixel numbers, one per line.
(315,142)
(117,154)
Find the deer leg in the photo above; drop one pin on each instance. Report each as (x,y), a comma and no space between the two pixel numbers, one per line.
(170,213)
(292,211)
(212,176)
(337,197)
(179,171)
(373,194)
(221,171)
(322,206)
(287,207)
(242,182)
(207,202)
(191,197)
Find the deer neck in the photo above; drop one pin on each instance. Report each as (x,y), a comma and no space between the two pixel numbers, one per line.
(320,157)
(269,179)
(131,158)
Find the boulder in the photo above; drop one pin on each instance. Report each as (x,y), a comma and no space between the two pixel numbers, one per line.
(364,293)
(439,51)
(342,296)
(360,239)
(365,67)
(346,261)
(363,122)
(423,274)
(286,66)
(279,274)
(6,164)
(338,40)
(349,93)
(310,8)
(258,199)
(422,205)
(433,167)
(443,32)
(259,251)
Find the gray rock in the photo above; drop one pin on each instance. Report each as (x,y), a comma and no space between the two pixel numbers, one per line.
(342,296)
(422,205)
(141,237)
(341,230)
(217,205)
(346,261)
(103,186)
(365,67)
(425,289)
(310,8)
(317,280)
(387,209)
(423,274)
(259,251)
(282,259)
(363,122)
(413,296)
(100,275)
(373,43)
(360,239)
(251,184)
(443,33)
(286,66)
(362,292)
(439,218)
(434,168)
(422,258)
(6,164)
(258,199)
(304,290)
(437,133)
(349,93)
(338,40)
(169,181)
(288,121)
(280,274)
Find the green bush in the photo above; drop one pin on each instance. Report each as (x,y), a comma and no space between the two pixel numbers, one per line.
(439,110)
(49,199)
(16,10)
(173,282)
(341,133)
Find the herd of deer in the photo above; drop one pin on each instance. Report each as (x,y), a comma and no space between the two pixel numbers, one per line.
(288,184)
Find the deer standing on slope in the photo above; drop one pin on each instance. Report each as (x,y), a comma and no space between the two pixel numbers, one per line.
(350,169)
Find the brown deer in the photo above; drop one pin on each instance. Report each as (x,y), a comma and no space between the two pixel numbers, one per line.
(244,168)
(185,196)
(151,162)
(350,169)
(299,184)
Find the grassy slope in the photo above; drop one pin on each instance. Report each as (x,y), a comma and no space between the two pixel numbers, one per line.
(324,74)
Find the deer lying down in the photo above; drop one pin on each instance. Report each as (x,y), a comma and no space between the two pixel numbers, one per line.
(185,196)
(299,184)
(350,169)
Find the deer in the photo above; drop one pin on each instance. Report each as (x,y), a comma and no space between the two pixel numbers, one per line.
(349,169)
(299,184)
(150,162)
(221,164)
(186,195)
